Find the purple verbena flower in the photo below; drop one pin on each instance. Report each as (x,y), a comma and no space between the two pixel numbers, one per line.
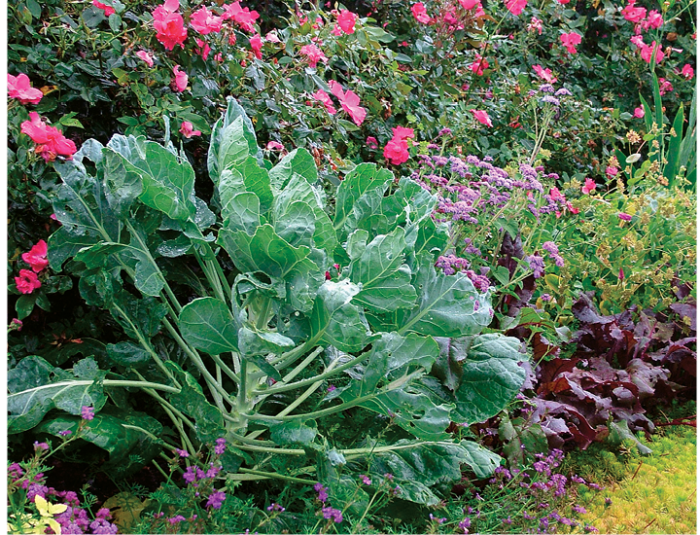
(335,514)
(365,479)
(182,453)
(322,492)
(216,499)
(87,413)
(220,446)
(176,519)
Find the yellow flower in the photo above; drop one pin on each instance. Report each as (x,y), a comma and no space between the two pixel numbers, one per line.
(28,525)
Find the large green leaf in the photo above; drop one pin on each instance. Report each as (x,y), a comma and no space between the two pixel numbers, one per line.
(490,376)
(240,209)
(288,209)
(120,433)
(299,162)
(381,272)
(232,140)
(270,254)
(257,180)
(35,387)
(448,305)
(419,467)
(122,183)
(389,390)
(207,324)
(335,320)
(63,245)
(362,180)
(168,182)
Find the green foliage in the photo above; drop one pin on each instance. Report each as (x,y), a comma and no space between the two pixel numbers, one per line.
(375,319)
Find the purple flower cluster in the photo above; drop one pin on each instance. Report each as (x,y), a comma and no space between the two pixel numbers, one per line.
(220,447)
(322,492)
(452,264)
(553,251)
(216,499)
(543,485)
(332,514)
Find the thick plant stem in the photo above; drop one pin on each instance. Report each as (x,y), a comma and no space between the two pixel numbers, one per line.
(273,475)
(299,384)
(307,393)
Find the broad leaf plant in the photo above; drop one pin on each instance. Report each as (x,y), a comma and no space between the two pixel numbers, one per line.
(238,315)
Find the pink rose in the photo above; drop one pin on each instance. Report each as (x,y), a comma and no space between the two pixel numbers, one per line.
(687,71)
(482,117)
(50,141)
(27,281)
(402,133)
(205,22)
(372,143)
(145,57)
(420,14)
(569,41)
(169,26)
(325,98)
(396,151)
(589,186)
(349,101)
(256,45)
(108,10)
(346,21)
(20,87)
(180,80)
(516,6)
(544,74)
(313,55)
(244,17)
(479,65)
(639,112)
(36,257)
(187,130)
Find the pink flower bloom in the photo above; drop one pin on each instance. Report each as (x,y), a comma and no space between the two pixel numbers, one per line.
(203,48)
(639,112)
(109,10)
(20,87)
(556,195)
(621,275)
(563,2)
(588,186)
(274,145)
(87,413)
(403,133)
(205,22)
(169,26)
(482,117)
(187,130)
(571,208)
(420,14)
(611,171)
(346,21)
(687,72)
(180,80)
(647,50)
(624,216)
(544,74)
(569,41)
(272,37)
(634,14)
(50,141)
(468,4)
(396,151)
(654,20)
(372,143)
(479,65)
(256,45)
(535,26)
(516,6)
(36,257)
(27,281)
(349,101)
(145,57)
(313,55)
(664,86)
(241,16)
(325,98)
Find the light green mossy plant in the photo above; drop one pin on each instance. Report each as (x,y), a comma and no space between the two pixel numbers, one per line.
(656,493)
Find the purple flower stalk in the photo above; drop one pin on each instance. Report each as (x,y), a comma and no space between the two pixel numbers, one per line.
(220,446)
(87,413)
(322,492)
(335,514)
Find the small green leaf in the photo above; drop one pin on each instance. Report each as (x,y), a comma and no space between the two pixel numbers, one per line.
(292,434)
